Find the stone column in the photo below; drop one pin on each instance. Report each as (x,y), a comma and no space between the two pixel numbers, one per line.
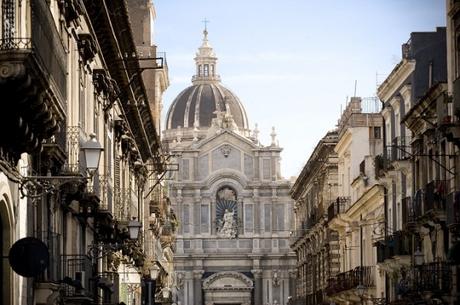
(258,213)
(240,216)
(258,285)
(212,209)
(292,280)
(197,289)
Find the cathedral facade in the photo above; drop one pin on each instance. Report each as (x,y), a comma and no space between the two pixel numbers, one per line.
(232,204)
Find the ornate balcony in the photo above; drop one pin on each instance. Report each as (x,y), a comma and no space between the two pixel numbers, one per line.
(397,244)
(435,196)
(349,280)
(33,79)
(78,278)
(337,207)
(433,277)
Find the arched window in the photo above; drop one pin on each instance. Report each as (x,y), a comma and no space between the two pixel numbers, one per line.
(226,212)
(200,70)
(206,70)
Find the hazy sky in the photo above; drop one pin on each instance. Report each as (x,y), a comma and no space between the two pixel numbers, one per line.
(292,63)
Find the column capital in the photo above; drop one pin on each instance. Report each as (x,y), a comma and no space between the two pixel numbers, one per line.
(198,274)
(257,273)
(292,273)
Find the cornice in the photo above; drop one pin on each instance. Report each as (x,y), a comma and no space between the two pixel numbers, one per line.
(367,202)
(396,78)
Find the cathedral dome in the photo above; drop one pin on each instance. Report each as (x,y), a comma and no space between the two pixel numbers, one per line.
(197,105)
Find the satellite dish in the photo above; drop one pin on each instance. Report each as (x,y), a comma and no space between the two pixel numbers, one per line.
(29,257)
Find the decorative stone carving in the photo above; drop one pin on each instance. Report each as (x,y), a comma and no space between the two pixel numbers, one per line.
(227,228)
(225,149)
(242,281)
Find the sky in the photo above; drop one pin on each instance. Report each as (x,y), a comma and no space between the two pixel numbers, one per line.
(292,63)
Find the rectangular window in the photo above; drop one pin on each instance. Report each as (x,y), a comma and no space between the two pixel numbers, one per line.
(185,169)
(186,222)
(266,169)
(377,132)
(248,218)
(204,218)
(279,218)
(267,217)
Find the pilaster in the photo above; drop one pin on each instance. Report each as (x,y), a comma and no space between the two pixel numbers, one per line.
(258,286)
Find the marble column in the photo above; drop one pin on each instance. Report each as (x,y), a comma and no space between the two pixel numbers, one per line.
(197,287)
(258,287)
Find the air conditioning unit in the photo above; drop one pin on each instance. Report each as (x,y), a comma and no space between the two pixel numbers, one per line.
(80,276)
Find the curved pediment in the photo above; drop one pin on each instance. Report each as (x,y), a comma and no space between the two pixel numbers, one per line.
(228,280)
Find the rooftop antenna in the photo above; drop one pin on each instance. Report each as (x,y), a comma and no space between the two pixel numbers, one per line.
(354,93)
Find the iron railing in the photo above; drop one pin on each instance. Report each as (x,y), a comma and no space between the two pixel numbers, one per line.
(78,276)
(337,207)
(433,277)
(351,279)
(397,244)
(43,38)
(435,195)
(400,149)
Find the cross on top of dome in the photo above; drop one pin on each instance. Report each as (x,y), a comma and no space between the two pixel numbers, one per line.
(206,61)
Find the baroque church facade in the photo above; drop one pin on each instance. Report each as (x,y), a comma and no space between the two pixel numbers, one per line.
(233,205)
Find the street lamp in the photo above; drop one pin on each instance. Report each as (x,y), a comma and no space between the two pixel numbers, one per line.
(92,150)
(419,258)
(134,227)
(154,272)
(36,186)
(360,290)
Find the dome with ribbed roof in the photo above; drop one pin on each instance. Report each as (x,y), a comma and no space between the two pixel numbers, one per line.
(197,105)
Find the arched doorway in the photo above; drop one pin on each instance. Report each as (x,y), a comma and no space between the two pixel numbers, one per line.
(227,288)
(5,243)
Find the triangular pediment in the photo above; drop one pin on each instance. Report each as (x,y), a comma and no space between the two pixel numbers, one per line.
(229,137)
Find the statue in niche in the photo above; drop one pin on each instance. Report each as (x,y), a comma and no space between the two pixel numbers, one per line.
(226,211)
(228,228)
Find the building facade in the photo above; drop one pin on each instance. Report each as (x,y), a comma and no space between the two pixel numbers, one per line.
(316,246)
(232,203)
(73,78)
(396,216)
(339,211)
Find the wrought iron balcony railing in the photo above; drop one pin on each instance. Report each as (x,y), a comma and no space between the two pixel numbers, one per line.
(433,277)
(78,276)
(42,38)
(435,195)
(399,150)
(351,279)
(397,244)
(337,207)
